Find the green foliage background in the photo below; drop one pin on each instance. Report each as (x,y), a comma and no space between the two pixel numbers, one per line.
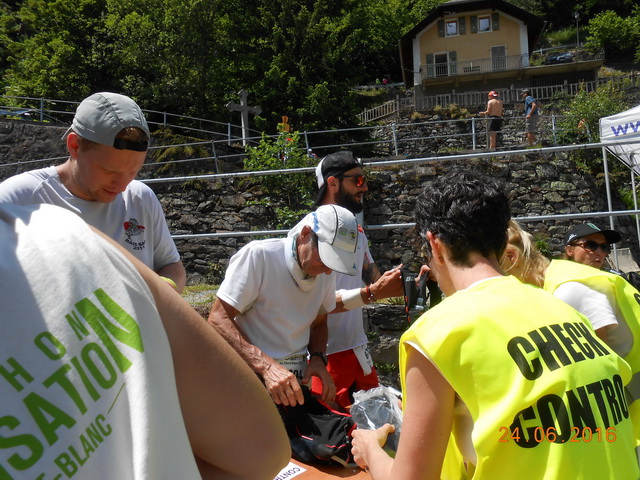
(298,58)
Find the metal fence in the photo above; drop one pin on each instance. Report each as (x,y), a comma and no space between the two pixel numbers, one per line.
(385,140)
(60,112)
(472,99)
(610,213)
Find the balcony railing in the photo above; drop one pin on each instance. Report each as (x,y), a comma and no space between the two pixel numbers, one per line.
(501,64)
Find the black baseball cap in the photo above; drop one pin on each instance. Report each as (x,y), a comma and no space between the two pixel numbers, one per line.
(584,229)
(333,165)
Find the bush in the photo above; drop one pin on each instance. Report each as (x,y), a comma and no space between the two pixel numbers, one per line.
(290,194)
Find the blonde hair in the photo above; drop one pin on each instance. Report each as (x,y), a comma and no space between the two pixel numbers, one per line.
(521,258)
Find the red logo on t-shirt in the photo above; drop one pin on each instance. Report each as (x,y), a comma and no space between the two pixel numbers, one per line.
(131,228)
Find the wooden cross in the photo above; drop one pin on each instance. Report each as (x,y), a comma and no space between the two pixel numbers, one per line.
(244,110)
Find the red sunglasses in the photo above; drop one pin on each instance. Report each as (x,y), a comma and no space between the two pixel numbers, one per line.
(359,179)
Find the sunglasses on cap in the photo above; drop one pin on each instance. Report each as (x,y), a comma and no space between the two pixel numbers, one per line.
(360,180)
(593,246)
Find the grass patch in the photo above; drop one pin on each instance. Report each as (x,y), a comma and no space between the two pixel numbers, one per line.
(200,295)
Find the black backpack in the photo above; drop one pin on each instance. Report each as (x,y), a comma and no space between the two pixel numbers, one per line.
(317,433)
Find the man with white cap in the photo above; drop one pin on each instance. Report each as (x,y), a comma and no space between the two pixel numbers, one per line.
(272,305)
(107,143)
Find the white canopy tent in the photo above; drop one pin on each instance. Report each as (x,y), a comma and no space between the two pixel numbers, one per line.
(621,128)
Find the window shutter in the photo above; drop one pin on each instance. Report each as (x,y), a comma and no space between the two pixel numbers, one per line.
(453,59)
(495,21)
(474,23)
(462,28)
(441,28)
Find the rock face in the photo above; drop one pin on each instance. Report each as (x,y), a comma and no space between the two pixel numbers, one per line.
(539,184)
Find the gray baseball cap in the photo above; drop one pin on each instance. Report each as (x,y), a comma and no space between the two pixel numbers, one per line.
(337,232)
(101,116)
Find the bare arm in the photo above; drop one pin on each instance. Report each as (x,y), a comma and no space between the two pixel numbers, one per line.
(316,367)
(426,427)
(210,377)
(176,272)
(381,286)
(280,382)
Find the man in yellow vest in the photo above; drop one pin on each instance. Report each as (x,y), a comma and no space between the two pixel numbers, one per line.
(501,379)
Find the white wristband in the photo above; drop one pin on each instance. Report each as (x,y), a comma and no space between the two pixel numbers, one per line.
(351,298)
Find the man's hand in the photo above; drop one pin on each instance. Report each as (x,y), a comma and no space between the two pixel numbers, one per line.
(425,270)
(389,284)
(283,386)
(317,368)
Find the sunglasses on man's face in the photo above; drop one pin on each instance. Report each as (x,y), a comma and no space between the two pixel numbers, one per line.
(593,246)
(360,180)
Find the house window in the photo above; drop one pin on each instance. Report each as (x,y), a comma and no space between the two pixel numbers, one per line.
(484,24)
(452,27)
(442,64)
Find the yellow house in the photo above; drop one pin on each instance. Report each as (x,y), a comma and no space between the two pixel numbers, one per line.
(483,45)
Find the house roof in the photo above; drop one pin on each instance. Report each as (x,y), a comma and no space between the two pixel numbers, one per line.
(535,24)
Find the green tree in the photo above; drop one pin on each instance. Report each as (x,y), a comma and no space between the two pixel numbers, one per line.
(618,36)
(585,111)
(53,55)
(290,195)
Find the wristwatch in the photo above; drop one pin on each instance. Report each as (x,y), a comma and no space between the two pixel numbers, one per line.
(322,356)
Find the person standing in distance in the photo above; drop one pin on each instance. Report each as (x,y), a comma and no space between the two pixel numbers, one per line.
(107,143)
(342,182)
(494,112)
(530,116)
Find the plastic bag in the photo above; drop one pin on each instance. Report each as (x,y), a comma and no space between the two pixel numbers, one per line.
(373,408)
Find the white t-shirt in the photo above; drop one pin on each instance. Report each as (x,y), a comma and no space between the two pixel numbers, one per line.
(134,219)
(602,311)
(87,385)
(275,312)
(346,329)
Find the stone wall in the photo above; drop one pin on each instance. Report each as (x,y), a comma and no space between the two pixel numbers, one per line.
(540,184)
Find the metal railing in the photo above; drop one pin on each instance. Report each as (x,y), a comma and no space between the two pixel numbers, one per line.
(475,98)
(611,214)
(498,64)
(390,139)
(61,112)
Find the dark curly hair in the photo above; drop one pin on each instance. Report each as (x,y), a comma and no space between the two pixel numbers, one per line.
(469,213)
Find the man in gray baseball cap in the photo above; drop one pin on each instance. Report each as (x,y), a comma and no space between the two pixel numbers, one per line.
(107,143)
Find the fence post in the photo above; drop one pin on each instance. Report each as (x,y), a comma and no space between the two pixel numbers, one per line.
(473,133)
(553,129)
(215,155)
(306,141)
(42,109)
(395,138)
(228,133)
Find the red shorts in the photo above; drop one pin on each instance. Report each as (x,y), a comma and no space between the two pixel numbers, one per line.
(348,376)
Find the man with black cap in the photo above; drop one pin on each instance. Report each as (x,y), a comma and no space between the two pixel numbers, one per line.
(587,244)
(530,116)
(341,181)
(107,143)
(272,305)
